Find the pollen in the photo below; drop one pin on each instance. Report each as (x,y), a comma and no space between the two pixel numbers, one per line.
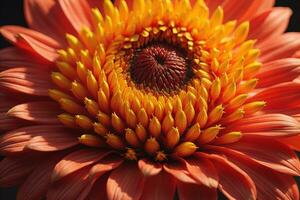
(158,85)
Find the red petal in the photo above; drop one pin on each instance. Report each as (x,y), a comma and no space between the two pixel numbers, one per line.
(203,171)
(13,171)
(229,175)
(12,56)
(286,94)
(36,185)
(98,170)
(270,153)
(39,112)
(8,101)
(32,41)
(160,186)
(125,183)
(15,141)
(267,125)
(297,54)
(265,5)
(86,190)
(192,191)
(12,33)
(270,24)
(293,142)
(107,164)
(245,12)
(213,4)
(26,80)
(75,161)
(278,71)
(42,16)
(256,9)
(69,187)
(53,141)
(77,12)
(39,48)
(284,46)
(149,168)
(9,123)
(99,189)
(236,10)
(179,171)
(270,184)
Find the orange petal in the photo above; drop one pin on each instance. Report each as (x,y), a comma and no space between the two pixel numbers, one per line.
(179,171)
(125,183)
(284,46)
(26,80)
(10,123)
(13,171)
(99,189)
(7,122)
(192,191)
(107,164)
(278,71)
(270,184)
(265,5)
(297,54)
(229,175)
(149,168)
(160,186)
(39,112)
(38,182)
(15,141)
(69,187)
(292,142)
(286,94)
(32,41)
(42,16)
(270,24)
(235,9)
(75,161)
(98,176)
(13,56)
(53,141)
(213,4)
(270,153)
(267,125)
(203,171)
(77,12)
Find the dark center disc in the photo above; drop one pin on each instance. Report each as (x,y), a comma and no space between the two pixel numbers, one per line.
(160,67)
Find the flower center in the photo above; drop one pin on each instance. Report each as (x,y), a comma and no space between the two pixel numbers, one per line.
(158,86)
(160,67)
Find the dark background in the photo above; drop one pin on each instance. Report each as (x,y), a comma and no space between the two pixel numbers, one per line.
(11,12)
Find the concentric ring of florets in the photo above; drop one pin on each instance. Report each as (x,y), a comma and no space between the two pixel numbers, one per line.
(111,110)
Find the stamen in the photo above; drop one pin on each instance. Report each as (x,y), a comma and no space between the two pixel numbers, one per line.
(151,146)
(91,140)
(209,134)
(185,149)
(229,138)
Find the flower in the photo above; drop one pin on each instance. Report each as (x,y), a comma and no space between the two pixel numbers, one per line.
(151,99)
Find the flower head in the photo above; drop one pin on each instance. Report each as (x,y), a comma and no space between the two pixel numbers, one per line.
(148,99)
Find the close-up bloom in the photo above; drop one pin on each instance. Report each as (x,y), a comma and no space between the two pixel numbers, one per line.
(151,100)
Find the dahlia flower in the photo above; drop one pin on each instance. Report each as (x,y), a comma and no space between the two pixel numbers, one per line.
(151,99)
